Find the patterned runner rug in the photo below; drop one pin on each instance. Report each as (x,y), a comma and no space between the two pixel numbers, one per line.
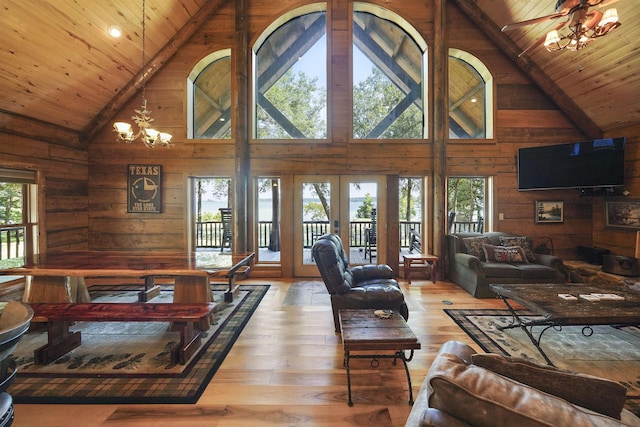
(609,352)
(129,362)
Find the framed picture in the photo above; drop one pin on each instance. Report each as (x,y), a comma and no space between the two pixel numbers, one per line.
(622,214)
(549,211)
(144,188)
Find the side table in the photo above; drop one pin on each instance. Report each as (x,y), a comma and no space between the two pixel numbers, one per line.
(363,331)
(422,258)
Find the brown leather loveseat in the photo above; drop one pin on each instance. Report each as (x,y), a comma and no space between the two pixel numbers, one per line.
(468,389)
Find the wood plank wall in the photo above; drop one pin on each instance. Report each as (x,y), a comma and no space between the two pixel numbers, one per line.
(60,161)
(620,241)
(86,191)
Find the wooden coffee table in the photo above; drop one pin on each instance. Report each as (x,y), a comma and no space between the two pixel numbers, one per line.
(362,330)
(544,300)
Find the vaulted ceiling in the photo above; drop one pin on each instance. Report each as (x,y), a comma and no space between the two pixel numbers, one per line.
(59,66)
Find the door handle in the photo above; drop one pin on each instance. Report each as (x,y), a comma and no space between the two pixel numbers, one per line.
(336,226)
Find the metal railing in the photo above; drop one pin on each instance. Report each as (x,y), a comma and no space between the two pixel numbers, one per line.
(209,233)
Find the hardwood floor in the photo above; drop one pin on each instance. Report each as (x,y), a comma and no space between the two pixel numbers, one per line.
(286,370)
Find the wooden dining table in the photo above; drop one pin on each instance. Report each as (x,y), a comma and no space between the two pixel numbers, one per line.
(60,277)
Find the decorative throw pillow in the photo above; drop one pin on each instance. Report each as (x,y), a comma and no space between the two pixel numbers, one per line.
(513,254)
(474,246)
(521,241)
(598,394)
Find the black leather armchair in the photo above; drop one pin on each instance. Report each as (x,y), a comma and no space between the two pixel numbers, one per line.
(364,286)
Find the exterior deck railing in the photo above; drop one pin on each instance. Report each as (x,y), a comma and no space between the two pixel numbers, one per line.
(12,241)
(209,233)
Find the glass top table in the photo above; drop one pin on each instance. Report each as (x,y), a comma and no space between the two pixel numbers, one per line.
(569,304)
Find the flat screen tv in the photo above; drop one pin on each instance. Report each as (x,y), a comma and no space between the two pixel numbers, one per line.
(589,164)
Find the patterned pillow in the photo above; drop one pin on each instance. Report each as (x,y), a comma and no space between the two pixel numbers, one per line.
(474,246)
(513,254)
(521,241)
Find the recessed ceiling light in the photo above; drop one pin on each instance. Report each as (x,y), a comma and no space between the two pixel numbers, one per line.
(474,100)
(114,31)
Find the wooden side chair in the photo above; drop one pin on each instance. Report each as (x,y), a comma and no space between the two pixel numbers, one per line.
(225,214)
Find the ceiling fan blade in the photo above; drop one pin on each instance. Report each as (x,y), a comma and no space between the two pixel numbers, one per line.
(541,39)
(533,45)
(532,21)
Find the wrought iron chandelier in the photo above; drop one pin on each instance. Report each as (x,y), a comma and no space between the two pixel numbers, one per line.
(583,29)
(149,136)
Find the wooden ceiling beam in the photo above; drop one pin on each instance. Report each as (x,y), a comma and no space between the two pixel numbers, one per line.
(105,116)
(548,86)
(28,127)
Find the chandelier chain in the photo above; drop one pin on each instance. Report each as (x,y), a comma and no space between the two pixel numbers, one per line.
(149,136)
(144,33)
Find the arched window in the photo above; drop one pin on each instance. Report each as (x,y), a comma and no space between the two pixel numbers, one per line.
(389,59)
(470,97)
(209,97)
(290,75)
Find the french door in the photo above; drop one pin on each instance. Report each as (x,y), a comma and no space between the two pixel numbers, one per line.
(348,205)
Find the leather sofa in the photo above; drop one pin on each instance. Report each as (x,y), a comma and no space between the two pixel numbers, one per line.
(469,267)
(362,286)
(467,389)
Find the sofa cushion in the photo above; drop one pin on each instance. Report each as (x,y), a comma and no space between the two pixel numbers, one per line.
(375,293)
(537,272)
(474,246)
(502,269)
(522,241)
(598,394)
(513,254)
(485,399)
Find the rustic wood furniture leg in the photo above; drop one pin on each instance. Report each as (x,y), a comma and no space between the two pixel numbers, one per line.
(151,290)
(60,341)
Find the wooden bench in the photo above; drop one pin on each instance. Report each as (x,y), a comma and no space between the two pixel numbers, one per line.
(59,316)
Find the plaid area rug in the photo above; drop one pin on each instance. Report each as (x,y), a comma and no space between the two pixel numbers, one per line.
(609,352)
(128,362)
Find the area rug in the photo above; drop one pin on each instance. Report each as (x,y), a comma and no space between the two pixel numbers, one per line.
(609,352)
(129,362)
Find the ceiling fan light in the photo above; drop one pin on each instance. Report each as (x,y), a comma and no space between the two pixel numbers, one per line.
(610,17)
(552,41)
(608,23)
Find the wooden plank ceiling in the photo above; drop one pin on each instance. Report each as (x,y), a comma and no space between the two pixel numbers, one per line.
(58,65)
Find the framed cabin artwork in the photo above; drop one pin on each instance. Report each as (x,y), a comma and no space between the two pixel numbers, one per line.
(144,188)
(549,211)
(622,214)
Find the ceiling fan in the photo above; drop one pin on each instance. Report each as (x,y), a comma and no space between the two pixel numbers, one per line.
(582,25)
